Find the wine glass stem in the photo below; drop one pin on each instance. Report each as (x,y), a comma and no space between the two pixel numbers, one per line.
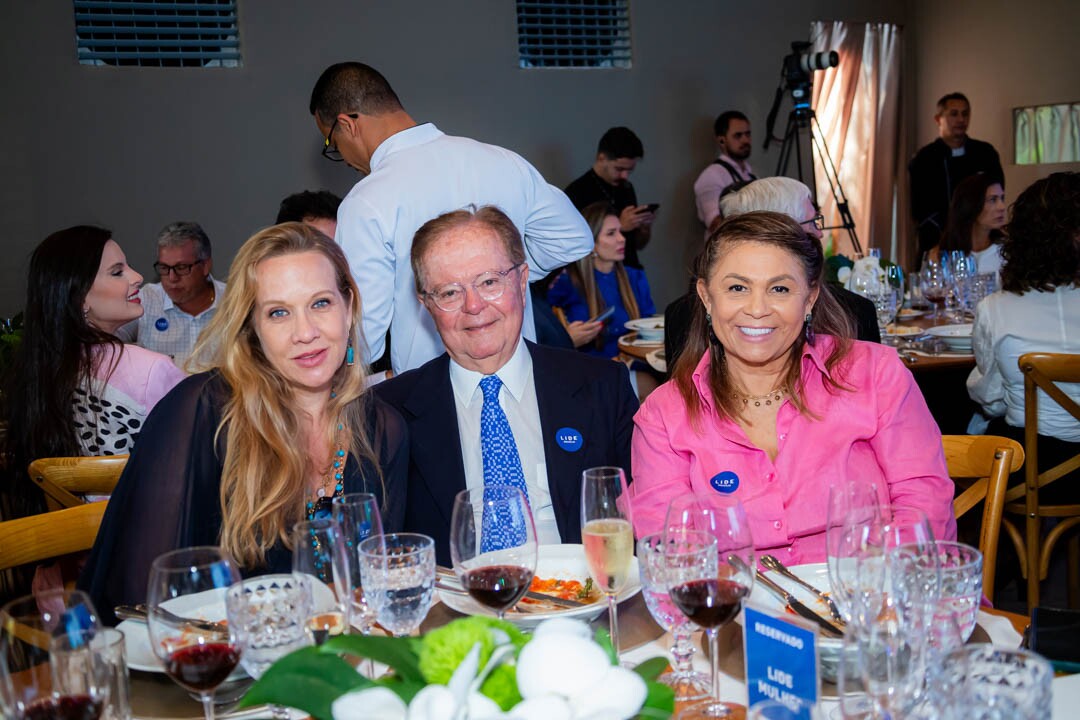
(613,622)
(207,705)
(714,651)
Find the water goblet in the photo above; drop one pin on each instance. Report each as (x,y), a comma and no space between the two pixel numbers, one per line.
(399,579)
(710,560)
(607,531)
(269,615)
(997,683)
(319,552)
(357,514)
(198,657)
(47,665)
(493,545)
(961,584)
(653,557)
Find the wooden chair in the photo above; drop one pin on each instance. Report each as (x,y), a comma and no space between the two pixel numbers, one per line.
(1041,372)
(48,535)
(987,460)
(61,477)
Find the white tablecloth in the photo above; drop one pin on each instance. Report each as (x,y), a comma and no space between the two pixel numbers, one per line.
(1066,689)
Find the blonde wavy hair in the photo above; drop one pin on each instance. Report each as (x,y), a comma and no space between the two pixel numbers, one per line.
(264,469)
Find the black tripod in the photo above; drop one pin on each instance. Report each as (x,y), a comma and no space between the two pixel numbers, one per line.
(803,121)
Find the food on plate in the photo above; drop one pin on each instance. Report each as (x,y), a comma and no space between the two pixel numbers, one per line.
(894,329)
(910,313)
(583,592)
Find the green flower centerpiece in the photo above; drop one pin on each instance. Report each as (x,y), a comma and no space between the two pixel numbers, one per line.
(474,668)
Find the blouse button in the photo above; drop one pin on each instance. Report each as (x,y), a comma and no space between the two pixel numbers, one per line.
(769,476)
(783,436)
(777,524)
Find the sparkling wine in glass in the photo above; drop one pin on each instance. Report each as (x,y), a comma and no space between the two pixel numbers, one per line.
(48,665)
(319,552)
(186,584)
(607,532)
(358,516)
(710,554)
(653,559)
(399,579)
(493,545)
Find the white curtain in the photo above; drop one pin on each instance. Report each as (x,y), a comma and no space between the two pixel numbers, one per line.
(1047,134)
(858,110)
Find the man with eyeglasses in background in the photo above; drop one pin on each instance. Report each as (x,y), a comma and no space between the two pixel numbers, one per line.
(495,407)
(177,309)
(414,172)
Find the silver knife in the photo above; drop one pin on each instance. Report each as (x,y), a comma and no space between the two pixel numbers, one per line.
(448,574)
(798,607)
(772,563)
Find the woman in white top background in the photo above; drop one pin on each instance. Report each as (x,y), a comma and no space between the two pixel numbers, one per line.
(977,215)
(1037,310)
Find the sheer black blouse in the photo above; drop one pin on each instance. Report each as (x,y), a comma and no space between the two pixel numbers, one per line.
(168,496)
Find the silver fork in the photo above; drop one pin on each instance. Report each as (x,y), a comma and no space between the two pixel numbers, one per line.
(773,564)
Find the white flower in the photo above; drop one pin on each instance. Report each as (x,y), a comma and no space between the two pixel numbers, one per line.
(377,703)
(843,274)
(557,664)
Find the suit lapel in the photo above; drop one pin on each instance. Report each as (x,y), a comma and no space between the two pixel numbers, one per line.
(555,395)
(438,459)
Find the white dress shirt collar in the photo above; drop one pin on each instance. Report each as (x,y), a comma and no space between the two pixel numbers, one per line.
(515,375)
(407,138)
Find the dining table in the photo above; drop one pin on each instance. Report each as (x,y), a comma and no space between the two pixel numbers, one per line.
(155,697)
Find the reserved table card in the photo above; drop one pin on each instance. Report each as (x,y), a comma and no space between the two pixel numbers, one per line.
(781,660)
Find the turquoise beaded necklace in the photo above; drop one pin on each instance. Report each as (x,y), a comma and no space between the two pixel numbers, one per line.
(319,504)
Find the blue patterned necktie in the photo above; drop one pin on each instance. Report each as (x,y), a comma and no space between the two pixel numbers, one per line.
(502,465)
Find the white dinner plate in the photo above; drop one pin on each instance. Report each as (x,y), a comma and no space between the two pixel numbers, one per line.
(957,337)
(910,313)
(650,329)
(657,360)
(566,562)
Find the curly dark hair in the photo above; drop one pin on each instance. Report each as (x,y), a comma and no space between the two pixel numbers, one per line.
(1042,246)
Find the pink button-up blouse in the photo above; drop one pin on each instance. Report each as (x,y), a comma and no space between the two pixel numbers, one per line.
(879,431)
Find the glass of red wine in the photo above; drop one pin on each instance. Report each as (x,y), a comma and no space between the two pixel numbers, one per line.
(186,601)
(493,545)
(48,667)
(709,553)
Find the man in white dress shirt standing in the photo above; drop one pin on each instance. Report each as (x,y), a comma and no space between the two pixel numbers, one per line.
(414,173)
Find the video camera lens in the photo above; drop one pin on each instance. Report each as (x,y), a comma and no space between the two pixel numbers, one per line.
(819,60)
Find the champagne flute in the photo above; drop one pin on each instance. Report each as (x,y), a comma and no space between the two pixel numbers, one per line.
(710,555)
(48,666)
(607,531)
(269,614)
(653,558)
(358,516)
(319,552)
(399,576)
(493,545)
(188,583)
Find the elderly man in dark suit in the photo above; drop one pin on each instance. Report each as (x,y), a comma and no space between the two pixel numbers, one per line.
(496,408)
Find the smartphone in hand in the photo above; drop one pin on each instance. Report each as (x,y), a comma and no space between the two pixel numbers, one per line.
(651,207)
(603,315)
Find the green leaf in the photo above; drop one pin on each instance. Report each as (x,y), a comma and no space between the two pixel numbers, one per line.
(659,703)
(306,679)
(398,653)
(603,639)
(652,668)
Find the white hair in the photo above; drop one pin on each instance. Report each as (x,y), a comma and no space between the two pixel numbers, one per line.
(775,194)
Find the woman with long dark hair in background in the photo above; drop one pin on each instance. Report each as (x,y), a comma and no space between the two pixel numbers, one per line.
(976,217)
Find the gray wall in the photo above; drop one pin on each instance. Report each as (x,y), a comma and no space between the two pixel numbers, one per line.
(133,149)
(1002,55)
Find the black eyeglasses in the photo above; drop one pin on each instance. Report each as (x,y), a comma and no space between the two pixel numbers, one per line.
(181,269)
(330,151)
(818,221)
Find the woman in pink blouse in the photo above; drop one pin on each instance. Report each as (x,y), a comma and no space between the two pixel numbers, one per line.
(772,403)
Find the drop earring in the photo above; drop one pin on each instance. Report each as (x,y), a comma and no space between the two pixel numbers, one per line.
(349,358)
(808,329)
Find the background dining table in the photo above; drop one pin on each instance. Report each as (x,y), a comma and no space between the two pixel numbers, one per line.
(155,697)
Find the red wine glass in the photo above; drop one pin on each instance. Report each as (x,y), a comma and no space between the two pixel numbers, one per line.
(48,668)
(493,545)
(709,553)
(186,599)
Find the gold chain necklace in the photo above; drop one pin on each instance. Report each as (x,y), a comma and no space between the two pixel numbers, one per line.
(768,398)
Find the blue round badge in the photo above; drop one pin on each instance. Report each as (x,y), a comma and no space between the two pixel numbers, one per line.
(161,324)
(725,482)
(569,439)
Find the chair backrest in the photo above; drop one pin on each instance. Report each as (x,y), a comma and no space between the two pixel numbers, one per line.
(1041,372)
(987,460)
(60,478)
(48,535)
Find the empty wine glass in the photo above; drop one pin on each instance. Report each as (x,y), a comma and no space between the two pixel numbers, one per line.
(357,514)
(269,616)
(493,545)
(319,552)
(652,556)
(852,510)
(399,579)
(607,531)
(710,557)
(47,665)
(185,585)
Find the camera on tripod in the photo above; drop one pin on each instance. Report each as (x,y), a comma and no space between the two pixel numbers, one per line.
(797,68)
